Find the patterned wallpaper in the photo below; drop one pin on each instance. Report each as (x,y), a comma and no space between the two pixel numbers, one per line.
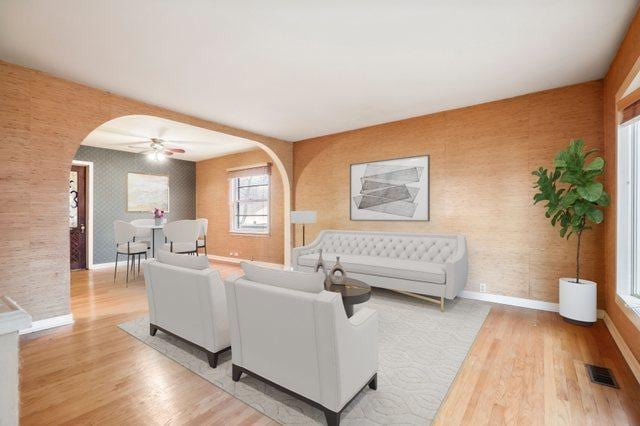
(110,192)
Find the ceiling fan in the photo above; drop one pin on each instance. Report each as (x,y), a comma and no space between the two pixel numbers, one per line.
(157,149)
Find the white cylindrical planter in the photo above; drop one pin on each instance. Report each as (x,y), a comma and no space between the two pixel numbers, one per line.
(579,301)
(12,320)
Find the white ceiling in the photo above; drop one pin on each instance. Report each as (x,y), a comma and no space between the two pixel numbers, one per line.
(295,70)
(199,144)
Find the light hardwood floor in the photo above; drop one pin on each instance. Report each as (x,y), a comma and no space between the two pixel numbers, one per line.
(526,367)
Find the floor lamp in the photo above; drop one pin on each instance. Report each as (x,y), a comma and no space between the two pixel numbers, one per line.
(303,217)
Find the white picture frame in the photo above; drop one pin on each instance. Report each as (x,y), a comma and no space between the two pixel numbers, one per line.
(390,190)
(146,192)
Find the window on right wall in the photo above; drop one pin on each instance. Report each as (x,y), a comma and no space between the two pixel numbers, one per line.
(628,214)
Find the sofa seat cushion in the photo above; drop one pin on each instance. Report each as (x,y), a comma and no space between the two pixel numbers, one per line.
(381,266)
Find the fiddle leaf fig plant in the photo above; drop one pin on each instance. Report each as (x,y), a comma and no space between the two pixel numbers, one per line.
(574,197)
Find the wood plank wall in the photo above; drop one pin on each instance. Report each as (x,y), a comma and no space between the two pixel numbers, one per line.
(212,202)
(625,61)
(43,119)
(481,184)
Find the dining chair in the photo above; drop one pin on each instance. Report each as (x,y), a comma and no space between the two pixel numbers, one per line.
(202,234)
(125,234)
(181,236)
(143,230)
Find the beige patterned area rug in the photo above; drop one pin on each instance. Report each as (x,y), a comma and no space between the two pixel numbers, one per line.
(421,351)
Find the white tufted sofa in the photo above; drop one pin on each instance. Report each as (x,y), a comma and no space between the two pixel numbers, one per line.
(421,264)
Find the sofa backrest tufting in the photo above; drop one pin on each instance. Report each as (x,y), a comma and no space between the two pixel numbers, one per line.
(428,248)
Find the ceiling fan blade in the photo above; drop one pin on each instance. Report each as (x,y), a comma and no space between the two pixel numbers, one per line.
(175,150)
(138,146)
(167,153)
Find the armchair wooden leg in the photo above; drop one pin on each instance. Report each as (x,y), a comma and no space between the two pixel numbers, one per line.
(373,384)
(236,372)
(213,359)
(152,330)
(333,418)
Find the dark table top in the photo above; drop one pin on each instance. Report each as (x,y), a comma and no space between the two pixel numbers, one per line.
(353,291)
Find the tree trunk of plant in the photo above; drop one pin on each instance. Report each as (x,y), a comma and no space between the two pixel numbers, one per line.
(578,259)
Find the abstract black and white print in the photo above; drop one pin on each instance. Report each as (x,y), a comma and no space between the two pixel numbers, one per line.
(391,190)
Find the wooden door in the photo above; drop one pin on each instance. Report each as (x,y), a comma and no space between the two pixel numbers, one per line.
(77,217)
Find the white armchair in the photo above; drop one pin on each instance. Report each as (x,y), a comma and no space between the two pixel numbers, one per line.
(301,342)
(187,300)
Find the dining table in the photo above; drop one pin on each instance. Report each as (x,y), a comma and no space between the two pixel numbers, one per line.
(153,228)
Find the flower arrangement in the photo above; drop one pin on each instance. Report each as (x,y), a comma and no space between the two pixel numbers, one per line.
(158,214)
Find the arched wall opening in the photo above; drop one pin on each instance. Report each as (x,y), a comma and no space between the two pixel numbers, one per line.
(43,123)
(205,150)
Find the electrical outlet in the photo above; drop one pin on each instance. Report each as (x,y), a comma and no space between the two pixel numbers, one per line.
(483,288)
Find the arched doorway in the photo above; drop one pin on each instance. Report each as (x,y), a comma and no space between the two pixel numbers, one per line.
(125,138)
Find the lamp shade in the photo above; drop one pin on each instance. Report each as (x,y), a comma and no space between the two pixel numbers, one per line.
(303,216)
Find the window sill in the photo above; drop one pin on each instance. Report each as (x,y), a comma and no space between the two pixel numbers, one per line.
(250,234)
(630,305)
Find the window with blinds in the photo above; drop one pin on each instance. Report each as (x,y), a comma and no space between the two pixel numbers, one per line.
(249,197)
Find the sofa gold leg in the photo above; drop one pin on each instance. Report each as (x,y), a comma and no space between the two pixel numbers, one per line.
(426,298)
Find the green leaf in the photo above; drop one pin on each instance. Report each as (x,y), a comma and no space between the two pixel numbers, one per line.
(569,198)
(595,215)
(604,200)
(582,207)
(571,177)
(591,151)
(591,192)
(555,217)
(563,231)
(596,164)
(576,146)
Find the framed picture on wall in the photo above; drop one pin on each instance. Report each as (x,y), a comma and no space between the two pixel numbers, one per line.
(147,192)
(396,190)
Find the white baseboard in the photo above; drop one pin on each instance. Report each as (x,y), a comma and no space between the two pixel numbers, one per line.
(48,323)
(516,301)
(633,363)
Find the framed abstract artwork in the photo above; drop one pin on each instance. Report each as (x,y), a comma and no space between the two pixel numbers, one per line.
(396,190)
(147,192)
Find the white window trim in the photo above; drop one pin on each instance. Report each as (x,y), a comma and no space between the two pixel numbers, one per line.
(232,207)
(627,267)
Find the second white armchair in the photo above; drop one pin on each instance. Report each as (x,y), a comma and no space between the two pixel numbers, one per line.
(301,342)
